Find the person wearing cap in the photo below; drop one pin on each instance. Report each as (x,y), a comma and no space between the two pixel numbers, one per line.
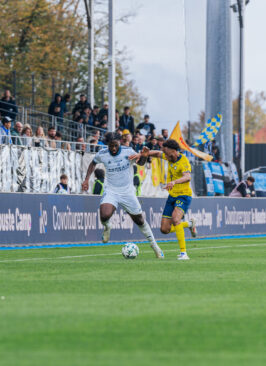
(5,135)
(126,138)
(119,188)
(146,127)
(126,121)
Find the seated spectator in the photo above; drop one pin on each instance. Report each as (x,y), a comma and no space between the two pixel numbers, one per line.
(5,134)
(59,144)
(51,137)
(87,117)
(126,121)
(81,105)
(16,133)
(119,131)
(56,108)
(99,181)
(165,133)
(103,126)
(152,144)
(146,127)
(39,139)
(134,142)
(141,143)
(81,147)
(96,135)
(62,187)
(8,106)
(126,138)
(95,116)
(244,189)
(26,135)
(103,112)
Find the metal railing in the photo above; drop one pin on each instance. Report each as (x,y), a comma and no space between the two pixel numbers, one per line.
(69,129)
(53,144)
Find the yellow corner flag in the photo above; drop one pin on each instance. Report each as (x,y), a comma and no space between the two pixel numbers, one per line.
(177,136)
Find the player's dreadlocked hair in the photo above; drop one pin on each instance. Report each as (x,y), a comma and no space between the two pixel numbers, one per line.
(171,144)
(111,136)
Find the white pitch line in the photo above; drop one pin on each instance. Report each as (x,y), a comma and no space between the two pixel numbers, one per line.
(110,254)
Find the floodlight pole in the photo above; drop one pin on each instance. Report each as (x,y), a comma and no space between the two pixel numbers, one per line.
(111,68)
(89,6)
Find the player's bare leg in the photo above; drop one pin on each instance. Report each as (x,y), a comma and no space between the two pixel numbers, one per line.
(106,212)
(146,230)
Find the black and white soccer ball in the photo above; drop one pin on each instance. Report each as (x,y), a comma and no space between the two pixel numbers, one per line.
(130,251)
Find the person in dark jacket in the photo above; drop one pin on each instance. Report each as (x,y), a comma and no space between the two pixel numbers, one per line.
(244,189)
(103,112)
(81,105)
(8,106)
(56,107)
(99,181)
(126,121)
(63,187)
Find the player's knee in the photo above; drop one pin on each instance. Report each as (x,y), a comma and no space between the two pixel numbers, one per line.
(139,220)
(165,230)
(105,217)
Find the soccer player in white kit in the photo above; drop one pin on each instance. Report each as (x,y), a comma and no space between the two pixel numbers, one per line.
(119,188)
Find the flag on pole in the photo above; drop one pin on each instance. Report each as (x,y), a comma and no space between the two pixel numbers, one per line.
(177,136)
(210,131)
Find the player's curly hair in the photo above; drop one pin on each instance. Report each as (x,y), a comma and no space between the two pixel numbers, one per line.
(112,136)
(171,144)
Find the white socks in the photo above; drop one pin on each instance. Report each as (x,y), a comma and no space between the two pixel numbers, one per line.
(146,230)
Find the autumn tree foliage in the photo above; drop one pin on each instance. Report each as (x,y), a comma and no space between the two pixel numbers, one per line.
(49,38)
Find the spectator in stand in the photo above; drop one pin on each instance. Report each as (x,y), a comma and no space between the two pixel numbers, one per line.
(119,131)
(95,135)
(103,126)
(60,144)
(244,189)
(62,187)
(215,152)
(95,116)
(146,127)
(87,117)
(81,147)
(153,145)
(141,143)
(39,139)
(103,112)
(16,133)
(126,138)
(160,141)
(51,137)
(5,135)
(56,107)
(8,106)
(81,105)
(134,142)
(126,121)
(65,105)
(99,182)
(165,133)
(26,135)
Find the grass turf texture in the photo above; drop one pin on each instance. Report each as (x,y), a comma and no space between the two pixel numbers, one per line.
(99,309)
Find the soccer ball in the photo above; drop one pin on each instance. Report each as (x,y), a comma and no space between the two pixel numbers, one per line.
(130,251)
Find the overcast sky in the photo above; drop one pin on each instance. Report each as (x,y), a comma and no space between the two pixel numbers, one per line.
(155,40)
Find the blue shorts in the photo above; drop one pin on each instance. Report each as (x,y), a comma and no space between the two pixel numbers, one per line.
(182,202)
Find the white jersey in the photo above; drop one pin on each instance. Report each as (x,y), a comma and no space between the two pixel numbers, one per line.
(119,169)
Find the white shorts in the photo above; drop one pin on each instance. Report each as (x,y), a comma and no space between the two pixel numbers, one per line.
(128,202)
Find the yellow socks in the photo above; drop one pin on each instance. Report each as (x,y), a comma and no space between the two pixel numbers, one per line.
(180,235)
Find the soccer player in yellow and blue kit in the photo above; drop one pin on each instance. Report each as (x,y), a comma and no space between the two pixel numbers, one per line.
(180,193)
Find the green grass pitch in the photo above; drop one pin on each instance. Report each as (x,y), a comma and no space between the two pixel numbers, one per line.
(90,306)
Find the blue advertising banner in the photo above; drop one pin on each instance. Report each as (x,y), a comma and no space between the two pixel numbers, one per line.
(50,218)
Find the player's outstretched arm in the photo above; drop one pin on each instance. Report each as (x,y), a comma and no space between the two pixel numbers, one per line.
(91,168)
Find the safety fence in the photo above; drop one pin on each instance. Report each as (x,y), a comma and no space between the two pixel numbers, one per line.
(69,129)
